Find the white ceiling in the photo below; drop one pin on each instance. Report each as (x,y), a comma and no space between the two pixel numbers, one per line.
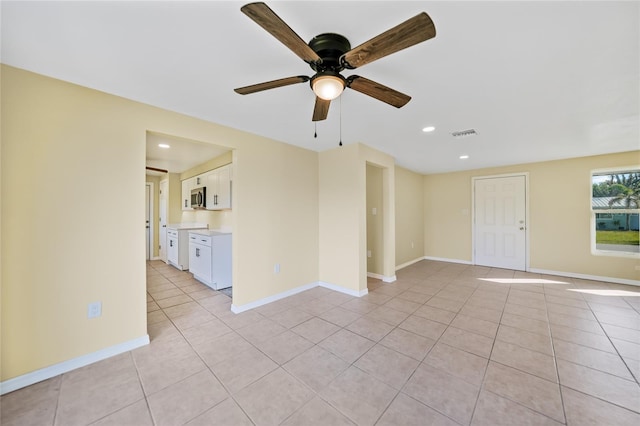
(537,80)
(181,155)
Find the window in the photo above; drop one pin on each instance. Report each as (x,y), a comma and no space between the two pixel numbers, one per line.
(615,208)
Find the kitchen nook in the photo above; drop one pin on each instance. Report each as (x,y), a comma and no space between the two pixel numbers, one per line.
(193,202)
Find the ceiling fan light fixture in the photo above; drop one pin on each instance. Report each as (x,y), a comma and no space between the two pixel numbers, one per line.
(327,87)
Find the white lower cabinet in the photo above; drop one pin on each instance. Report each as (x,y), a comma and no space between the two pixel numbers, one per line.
(210,258)
(173,248)
(178,244)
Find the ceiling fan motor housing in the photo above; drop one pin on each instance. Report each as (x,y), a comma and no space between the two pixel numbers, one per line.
(329,47)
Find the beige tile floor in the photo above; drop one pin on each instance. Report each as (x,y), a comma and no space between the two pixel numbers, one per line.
(446,344)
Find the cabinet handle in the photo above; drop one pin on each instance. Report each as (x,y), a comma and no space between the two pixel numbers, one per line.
(197,252)
(185,203)
(170,243)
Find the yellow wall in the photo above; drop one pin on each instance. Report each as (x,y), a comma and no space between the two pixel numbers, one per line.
(343,215)
(409,224)
(81,240)
(213,163)
(374,221)
(174,208)
(72,216)
(275,220)
(559,205)
(341,204)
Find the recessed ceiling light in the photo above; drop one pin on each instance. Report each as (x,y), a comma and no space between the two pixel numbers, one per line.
(464,157)
(163,145)
(428,129)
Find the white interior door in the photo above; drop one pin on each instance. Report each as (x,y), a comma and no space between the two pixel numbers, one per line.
(147,216)
(500,237)
(162,220)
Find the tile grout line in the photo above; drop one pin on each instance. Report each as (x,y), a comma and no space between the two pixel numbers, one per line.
(636,379)
(229,393)
(555,363)
(484,376)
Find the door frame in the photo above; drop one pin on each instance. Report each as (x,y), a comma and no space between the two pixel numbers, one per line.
(526,213)
(157,224)
(151,222)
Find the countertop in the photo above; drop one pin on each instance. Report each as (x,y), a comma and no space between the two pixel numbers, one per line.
(187,226)
(211,232)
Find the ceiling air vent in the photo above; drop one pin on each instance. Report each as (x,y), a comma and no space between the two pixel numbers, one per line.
(464,133)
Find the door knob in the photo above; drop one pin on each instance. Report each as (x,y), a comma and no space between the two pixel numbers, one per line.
(522,228)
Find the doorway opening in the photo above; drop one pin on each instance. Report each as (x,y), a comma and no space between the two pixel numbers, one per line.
(379,225)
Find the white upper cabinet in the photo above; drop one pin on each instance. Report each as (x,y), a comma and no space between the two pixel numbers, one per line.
(219,189)
(218,192)
(187,186)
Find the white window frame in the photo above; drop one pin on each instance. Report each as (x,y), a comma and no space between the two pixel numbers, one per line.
(594,250)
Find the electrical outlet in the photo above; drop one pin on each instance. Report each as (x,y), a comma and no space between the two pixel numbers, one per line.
(276,268)
(94,310)
(411,244)
(374,211)
(368,253)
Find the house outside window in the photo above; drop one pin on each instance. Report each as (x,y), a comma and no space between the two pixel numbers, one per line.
(615,212)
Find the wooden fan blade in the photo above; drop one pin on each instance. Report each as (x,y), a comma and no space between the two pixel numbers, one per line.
(267,19)
(410,32)
(271,84)
(378,91)
(321,109)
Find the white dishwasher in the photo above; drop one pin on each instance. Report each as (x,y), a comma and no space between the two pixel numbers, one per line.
(210,258)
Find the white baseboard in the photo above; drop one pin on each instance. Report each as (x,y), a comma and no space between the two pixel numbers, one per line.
(444,259)
(384,278)
(344,290)
(409,263)
(260,302)
(66,366)
(549,272)
(585,276)
(252,305)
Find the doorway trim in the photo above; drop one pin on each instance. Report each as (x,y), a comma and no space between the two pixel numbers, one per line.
(526,208)
(151,221)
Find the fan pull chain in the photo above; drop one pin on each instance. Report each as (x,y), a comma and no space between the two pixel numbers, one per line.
(340,144)
(315,129)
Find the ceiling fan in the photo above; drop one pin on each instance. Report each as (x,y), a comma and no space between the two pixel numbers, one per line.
(328,54)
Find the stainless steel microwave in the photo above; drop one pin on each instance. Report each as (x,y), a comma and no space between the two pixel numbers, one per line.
(199,198)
